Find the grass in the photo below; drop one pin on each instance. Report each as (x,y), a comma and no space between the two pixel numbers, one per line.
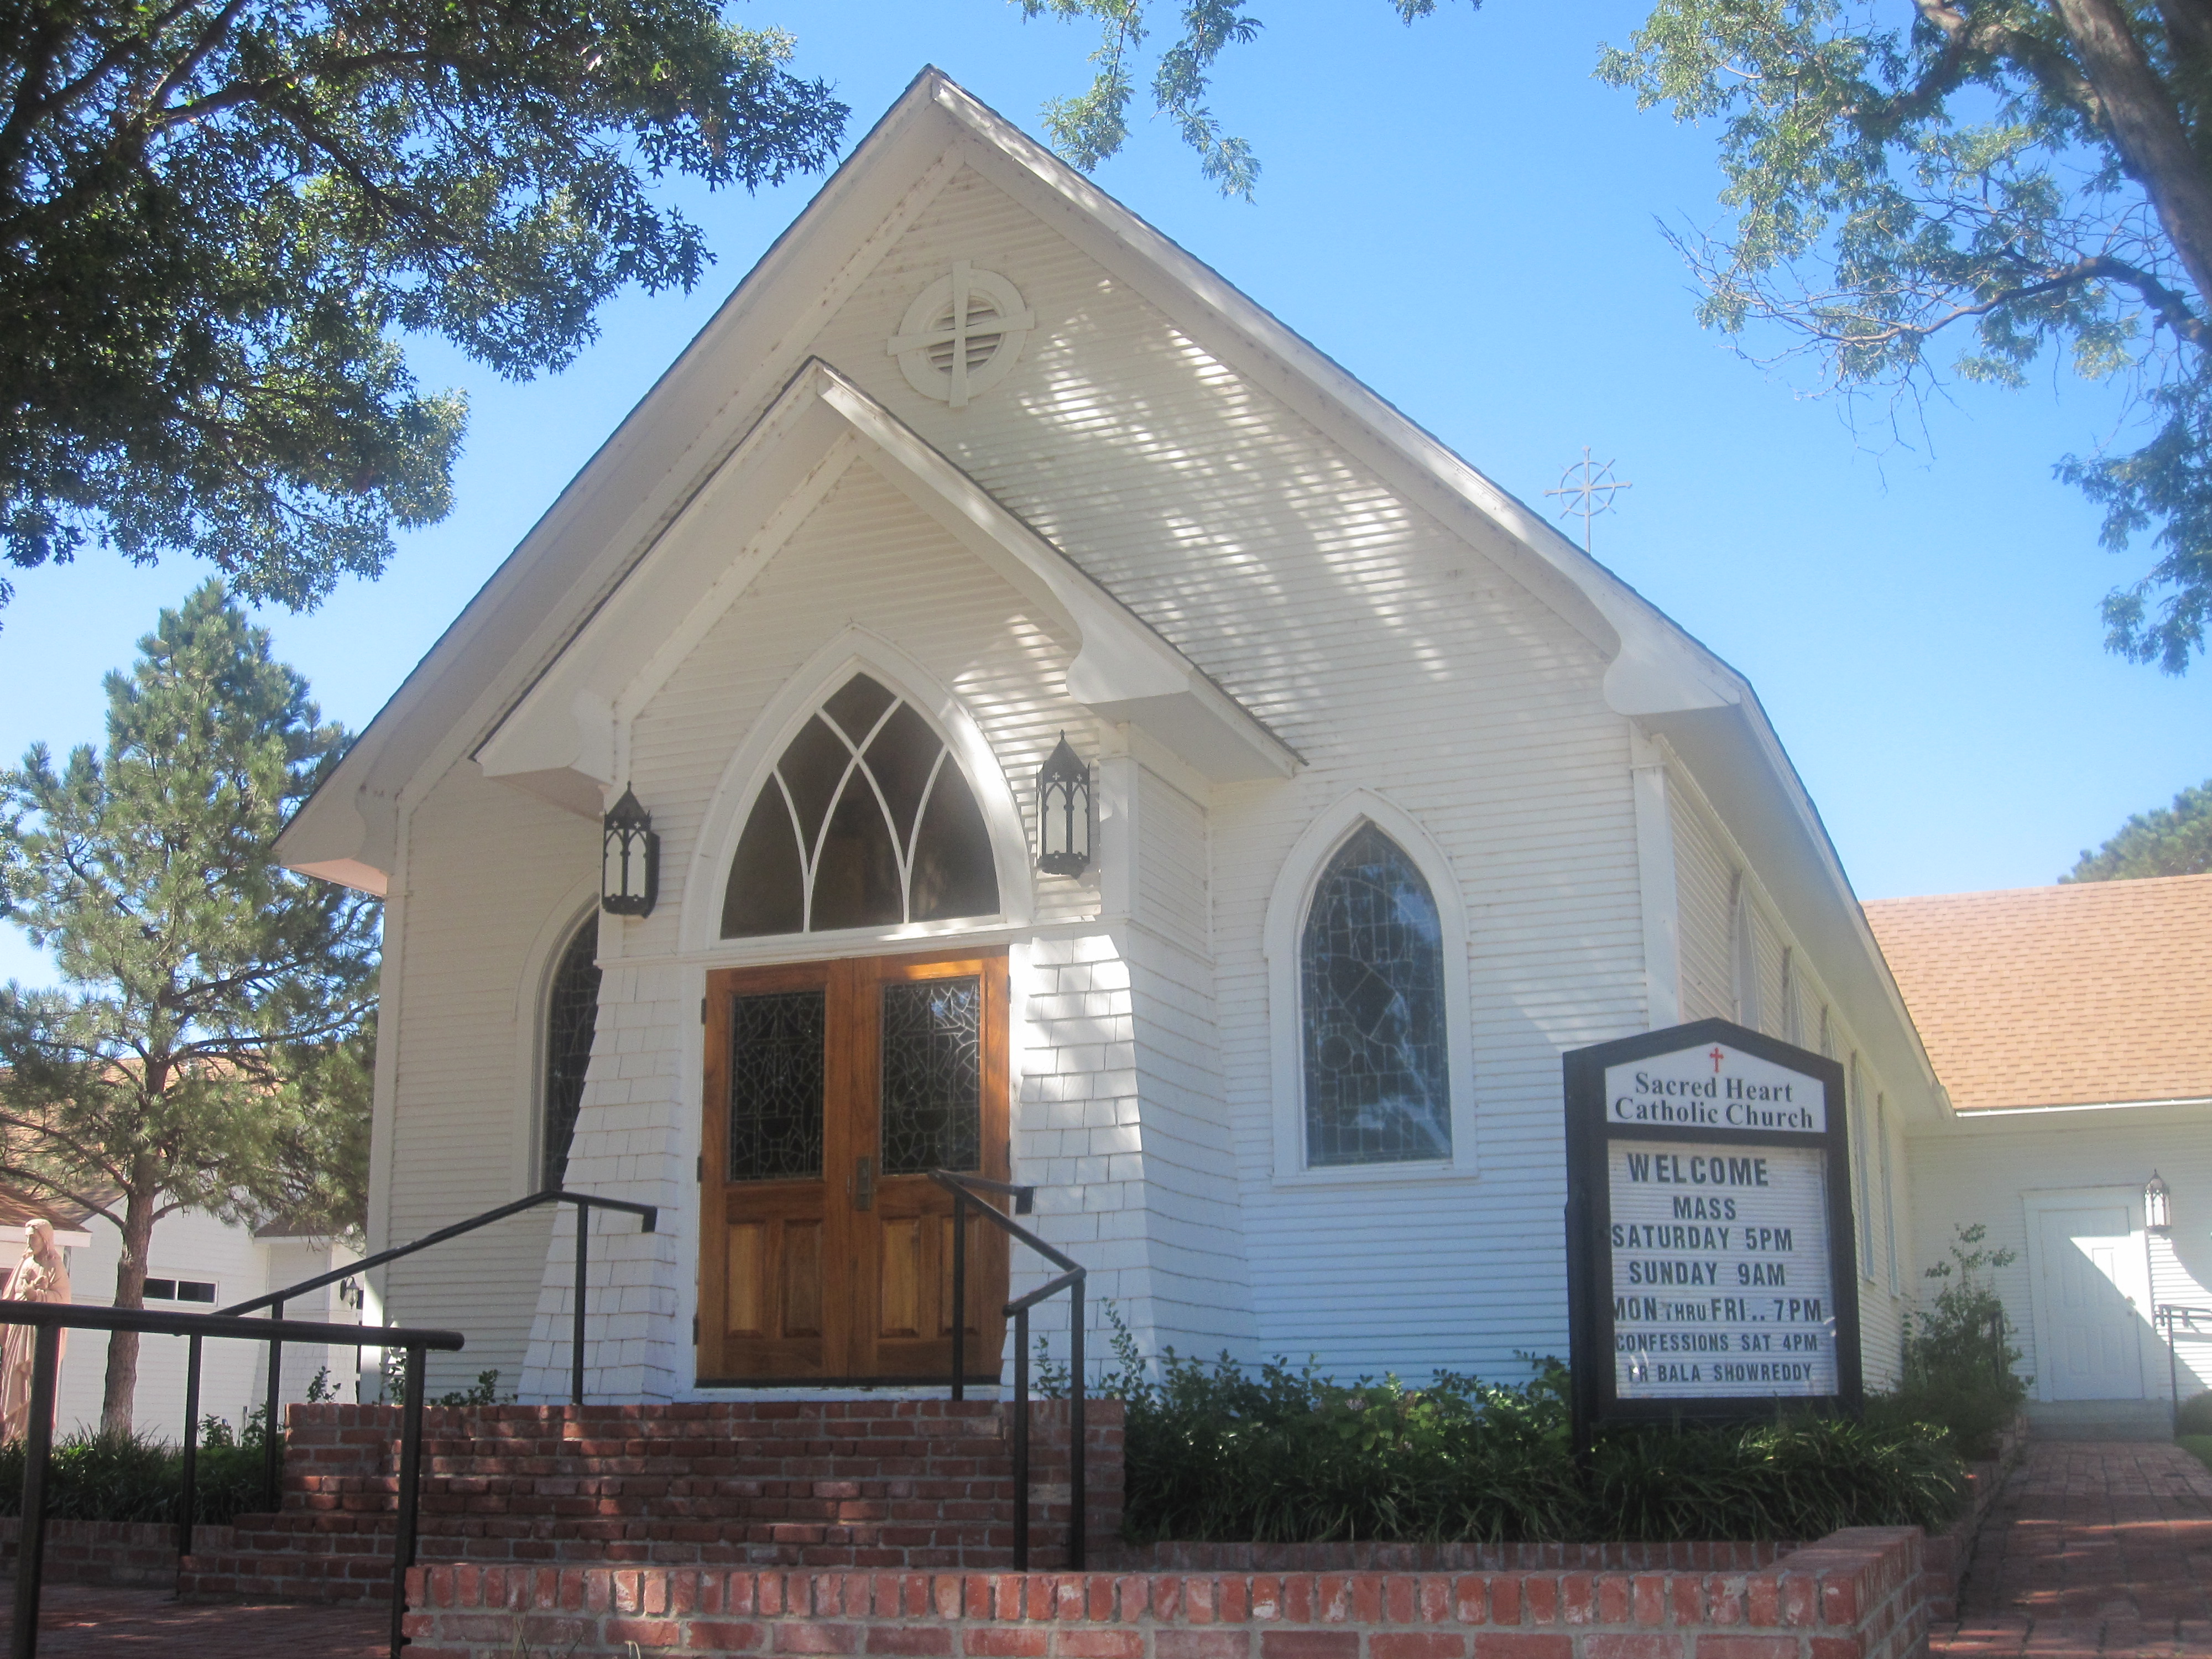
(2198,1446)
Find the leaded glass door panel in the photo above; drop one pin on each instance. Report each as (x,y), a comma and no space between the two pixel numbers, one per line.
(831,1090)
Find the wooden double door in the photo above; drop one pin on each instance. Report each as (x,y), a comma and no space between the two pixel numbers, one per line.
(832,1089)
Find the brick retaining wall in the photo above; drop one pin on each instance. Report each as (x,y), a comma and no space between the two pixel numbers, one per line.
(108,1552)
(1854,1595)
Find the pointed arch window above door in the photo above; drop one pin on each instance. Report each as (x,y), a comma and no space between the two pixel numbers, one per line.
(866,822)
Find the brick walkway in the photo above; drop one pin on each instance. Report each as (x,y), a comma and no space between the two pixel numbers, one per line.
(2093,1547)
(77,1622)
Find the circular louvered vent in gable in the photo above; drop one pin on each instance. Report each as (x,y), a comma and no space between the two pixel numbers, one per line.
(962,334)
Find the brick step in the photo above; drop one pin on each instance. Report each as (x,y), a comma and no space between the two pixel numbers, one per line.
(903,1485)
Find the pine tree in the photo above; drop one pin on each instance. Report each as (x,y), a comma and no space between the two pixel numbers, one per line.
(2166,841)
(205,1048)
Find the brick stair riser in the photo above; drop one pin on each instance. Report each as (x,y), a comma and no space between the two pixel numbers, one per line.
(908,1484)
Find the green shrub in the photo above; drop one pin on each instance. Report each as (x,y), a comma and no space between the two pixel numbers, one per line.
(1957,1368)
(1214,1453)
(2195,1417)
(134,1478)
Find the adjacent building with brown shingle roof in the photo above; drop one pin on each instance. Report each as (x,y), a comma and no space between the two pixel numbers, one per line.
(2071,1027)
(2090,994)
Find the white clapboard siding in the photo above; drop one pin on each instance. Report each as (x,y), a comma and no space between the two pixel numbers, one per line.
(488,869)
(1987,1168)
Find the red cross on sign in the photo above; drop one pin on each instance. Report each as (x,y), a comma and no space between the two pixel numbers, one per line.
(1718,1055)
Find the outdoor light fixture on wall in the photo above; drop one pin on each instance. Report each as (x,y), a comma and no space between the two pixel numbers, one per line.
(629,860)
(2158,1204)
(1063,812)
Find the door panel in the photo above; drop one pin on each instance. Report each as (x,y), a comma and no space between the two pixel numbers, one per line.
(2094,1349)
(831,1090)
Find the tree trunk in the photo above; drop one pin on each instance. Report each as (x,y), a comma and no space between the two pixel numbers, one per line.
(2147,127)
(122,1388)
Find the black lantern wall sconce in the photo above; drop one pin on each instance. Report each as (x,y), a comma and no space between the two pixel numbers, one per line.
(1063,812)
(2158,1206)
(629,860)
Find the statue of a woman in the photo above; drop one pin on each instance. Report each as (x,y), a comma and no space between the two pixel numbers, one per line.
(41,1276)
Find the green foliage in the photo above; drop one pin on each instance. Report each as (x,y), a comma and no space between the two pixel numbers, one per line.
(393,1373)
(2166,841)
(2195,1416)
(1965,177)
(2198,1446)
(1089,128)
(222,219)
(1285,1456)
(1958,1375)
(130,1478)
(209,1045)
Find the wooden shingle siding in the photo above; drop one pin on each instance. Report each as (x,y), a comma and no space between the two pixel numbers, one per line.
(1703,877)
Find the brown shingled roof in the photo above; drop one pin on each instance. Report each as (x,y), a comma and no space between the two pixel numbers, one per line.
(2091,993)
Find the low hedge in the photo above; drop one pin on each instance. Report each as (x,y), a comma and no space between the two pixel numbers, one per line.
(1216,1453)
(134,1478)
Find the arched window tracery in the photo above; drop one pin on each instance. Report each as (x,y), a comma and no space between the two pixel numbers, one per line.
(571,1011)
(866,821)
(1372,1009)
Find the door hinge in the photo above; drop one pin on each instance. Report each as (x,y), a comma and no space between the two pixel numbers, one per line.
(702,1167)
(702,1011)
(695,1330)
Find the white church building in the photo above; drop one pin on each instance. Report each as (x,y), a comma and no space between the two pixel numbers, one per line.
(1395,795)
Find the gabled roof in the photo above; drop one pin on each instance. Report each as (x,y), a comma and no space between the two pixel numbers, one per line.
(718,393)
(2094,993)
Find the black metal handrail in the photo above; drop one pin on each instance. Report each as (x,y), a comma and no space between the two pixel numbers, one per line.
(272,1442)
(273,1405)
(2167,1314)
(967,1189)
(51,1319)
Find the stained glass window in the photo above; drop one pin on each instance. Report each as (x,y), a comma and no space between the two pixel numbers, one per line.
(571,1009)
(932,1069)
(1371,994)
(866,822)
(776,1086)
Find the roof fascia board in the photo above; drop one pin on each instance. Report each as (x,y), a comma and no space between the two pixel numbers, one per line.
(2188,1102)
(608,515)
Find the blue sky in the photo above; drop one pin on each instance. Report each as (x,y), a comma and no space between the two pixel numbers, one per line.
(1464,218)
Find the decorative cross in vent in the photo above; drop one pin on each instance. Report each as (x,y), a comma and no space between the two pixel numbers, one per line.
(962,334)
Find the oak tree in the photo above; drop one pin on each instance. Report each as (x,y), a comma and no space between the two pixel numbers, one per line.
(219,219)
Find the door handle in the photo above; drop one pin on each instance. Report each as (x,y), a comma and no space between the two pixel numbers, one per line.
(863,1184)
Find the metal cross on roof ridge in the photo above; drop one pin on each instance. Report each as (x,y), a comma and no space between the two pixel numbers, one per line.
(1589,494)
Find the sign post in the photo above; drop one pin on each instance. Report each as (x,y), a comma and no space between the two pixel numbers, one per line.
(1710,1258)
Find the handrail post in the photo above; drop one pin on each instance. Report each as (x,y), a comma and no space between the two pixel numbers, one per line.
(37,1448)
(188,1499)
(1075,1494)
(959,1295)
(1021,1440)
(410,1475)
(577,1339)
(272,1447)
(2172,1371)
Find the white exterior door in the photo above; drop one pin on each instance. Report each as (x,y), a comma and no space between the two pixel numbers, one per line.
(2089,1340)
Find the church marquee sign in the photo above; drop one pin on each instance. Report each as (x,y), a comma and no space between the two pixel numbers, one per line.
(1710,1259)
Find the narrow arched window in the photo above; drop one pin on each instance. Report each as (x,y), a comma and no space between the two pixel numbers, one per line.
(571,1011)
(866,822)
(1372,1001)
